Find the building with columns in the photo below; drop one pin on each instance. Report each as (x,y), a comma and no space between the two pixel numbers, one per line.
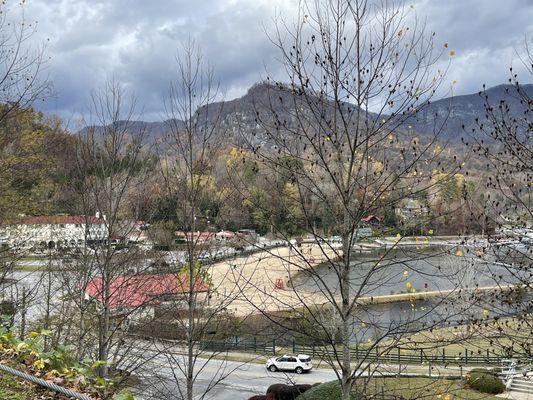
(54,232)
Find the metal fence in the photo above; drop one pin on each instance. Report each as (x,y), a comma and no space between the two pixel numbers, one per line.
(394,355)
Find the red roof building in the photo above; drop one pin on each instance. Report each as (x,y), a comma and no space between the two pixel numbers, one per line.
(131,291)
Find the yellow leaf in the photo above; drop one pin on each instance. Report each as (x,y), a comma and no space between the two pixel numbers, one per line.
(430,231)
(452,53)
(459,253)
(408,285)
(39,364)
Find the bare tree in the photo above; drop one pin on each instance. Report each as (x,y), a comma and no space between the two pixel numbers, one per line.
(187,156)
(335,143)
(21,61)
(503,142)
(99,275)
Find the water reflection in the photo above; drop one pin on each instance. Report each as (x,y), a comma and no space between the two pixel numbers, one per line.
(458,279)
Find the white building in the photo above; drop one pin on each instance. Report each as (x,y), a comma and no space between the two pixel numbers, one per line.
(51,232)
(411,211)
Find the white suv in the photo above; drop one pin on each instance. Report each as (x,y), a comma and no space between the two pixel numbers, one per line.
(290,362)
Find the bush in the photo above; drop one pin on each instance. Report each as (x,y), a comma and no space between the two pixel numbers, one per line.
(327,391)
(484,381)
(124,394)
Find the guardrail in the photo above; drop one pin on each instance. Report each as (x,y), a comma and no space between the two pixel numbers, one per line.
(508,372)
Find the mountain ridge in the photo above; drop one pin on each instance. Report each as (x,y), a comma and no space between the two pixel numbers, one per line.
(238,116)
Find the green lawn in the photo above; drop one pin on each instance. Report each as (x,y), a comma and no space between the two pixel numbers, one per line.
(405,388)
(30,268)
(492,335)
(424,388)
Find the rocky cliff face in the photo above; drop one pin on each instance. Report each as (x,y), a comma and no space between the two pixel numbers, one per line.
(238,118)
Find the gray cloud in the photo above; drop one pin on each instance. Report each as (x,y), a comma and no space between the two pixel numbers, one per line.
(136,41)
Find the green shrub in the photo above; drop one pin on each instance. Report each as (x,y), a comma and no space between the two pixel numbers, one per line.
(57,362)
(484,381)
(326,391)
(124,394)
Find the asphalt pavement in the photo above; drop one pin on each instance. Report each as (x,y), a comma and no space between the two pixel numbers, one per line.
(161,379)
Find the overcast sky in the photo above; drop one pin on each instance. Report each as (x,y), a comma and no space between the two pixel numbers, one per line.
(136,40)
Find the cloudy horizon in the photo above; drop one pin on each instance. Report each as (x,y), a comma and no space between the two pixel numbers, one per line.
(136,43)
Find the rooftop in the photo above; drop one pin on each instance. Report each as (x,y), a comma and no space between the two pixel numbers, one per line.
(57,220)
(139,290)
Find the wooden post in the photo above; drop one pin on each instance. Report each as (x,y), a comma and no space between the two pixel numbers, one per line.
(399,363)
(23,315)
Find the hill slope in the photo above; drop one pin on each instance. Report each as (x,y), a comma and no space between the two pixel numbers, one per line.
(453,112)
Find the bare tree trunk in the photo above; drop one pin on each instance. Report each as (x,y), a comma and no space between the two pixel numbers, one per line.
(346,313)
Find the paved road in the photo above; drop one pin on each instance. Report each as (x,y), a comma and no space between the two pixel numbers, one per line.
(242,380)
(160,377)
